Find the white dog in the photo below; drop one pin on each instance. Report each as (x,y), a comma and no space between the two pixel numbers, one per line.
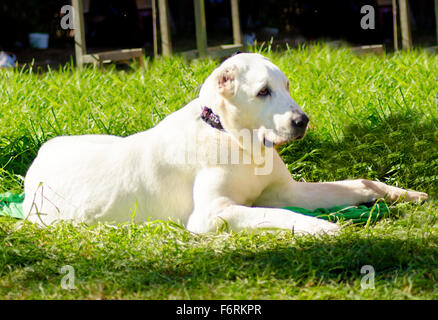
(154,174)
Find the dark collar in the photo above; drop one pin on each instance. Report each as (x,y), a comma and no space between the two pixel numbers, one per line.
(212,119)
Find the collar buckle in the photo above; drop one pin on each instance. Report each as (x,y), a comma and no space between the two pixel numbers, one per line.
(212,119)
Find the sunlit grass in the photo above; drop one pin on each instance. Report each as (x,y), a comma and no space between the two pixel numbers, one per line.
(371,117)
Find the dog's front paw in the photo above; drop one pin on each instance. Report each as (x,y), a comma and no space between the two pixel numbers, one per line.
(318,227)
(393,193)
(396,194)
(416,196)
(329,228)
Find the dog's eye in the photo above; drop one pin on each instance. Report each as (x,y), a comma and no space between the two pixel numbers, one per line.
(264,92)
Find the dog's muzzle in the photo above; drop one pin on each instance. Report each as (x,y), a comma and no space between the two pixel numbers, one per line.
(299,126)
(297,131)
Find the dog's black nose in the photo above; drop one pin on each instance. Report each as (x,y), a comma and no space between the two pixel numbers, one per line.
(300,122)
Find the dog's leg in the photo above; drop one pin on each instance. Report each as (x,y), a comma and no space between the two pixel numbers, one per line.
(339,193)
(239,217)
(212,208)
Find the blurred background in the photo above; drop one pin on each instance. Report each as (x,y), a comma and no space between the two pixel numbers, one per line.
(115,24)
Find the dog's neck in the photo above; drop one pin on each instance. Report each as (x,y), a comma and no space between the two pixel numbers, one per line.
(208,116)
(211,118)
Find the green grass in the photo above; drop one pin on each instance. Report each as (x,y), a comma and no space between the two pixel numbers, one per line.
(371,117)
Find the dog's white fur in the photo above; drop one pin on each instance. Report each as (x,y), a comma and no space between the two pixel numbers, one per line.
(94,178)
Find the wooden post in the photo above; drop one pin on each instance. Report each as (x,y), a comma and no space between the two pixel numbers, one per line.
(394,23)
(436,20)
(405,24)
(166,42)
(237,36)
(78,22)
(201,27)
(154,27)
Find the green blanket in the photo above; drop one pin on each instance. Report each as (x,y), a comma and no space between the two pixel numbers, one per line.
(357,214)
(10,206)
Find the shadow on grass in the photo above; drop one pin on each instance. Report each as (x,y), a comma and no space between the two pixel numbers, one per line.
(306,261)
(16,156)
(400,149)
(310,260)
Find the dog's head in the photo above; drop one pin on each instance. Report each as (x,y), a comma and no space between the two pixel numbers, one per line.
(248,91)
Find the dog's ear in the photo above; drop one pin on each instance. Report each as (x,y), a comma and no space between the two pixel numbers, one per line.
(226,81)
